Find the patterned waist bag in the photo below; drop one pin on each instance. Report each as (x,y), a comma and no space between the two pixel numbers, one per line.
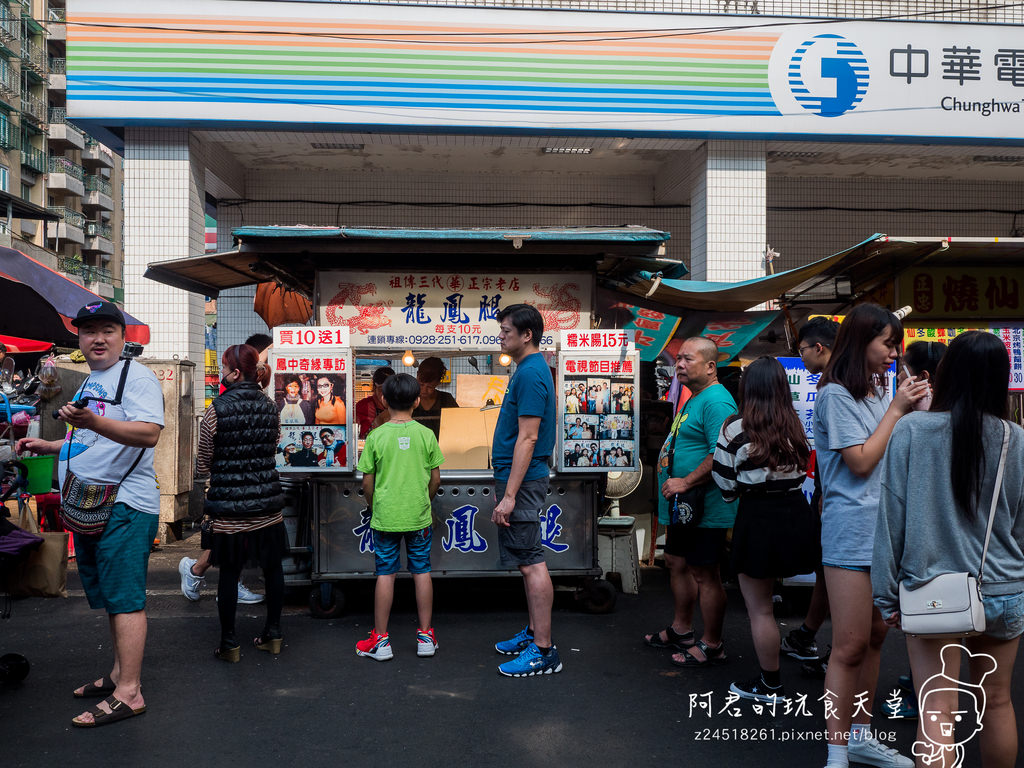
(86,507)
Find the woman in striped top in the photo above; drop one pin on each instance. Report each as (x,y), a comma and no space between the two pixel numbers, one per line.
(761,457)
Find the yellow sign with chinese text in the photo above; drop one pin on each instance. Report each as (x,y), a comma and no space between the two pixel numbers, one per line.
(960,292)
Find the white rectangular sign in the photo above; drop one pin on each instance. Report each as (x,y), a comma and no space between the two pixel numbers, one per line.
(361,64)
(309,339)
(399,309)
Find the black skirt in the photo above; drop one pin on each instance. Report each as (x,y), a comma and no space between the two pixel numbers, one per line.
(264,547)
(775,536)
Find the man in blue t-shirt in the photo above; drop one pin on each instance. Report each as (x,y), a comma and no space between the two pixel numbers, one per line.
(523,440)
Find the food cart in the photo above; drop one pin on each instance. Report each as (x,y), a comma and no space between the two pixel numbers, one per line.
(395,297)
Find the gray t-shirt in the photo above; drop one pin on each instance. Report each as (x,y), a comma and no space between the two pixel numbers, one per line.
(849,502)
(97,459)
(921,534)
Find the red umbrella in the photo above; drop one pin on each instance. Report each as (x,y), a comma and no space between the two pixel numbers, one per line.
(16,344)
(36,301)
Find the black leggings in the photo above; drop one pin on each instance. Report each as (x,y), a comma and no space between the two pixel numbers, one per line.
(227,599)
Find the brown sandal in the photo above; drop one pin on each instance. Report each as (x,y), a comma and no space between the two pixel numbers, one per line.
(105,688)
(118,711)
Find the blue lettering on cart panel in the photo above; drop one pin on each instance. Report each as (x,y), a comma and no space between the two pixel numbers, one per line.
(364,532)
(461,533)
(451,310)
(551,529)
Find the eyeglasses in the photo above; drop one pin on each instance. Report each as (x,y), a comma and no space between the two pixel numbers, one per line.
(801,350)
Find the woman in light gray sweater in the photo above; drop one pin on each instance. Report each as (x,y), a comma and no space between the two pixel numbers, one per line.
(938,478)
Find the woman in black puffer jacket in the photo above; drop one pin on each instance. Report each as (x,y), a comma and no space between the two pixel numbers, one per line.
(237,444)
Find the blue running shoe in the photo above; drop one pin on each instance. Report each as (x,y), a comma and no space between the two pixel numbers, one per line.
(517,644)
(532,662)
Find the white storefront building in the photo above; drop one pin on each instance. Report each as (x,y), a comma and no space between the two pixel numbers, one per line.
(806,126)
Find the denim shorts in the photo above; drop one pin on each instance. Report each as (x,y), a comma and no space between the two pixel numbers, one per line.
(113,565)
(1004,615)
(857,568)
(387,546)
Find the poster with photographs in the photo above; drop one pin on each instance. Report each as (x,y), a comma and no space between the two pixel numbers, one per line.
(597,408)
(313,392)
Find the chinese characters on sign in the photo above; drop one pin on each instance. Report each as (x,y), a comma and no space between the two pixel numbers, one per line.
(414,309)
(958,63)
(309,340)
(597,397)
(948,292)
(1012,338)
(610,341)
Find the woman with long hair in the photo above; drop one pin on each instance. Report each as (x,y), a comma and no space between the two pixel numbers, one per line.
(761,457)
(938,480)
(330,407)
(237,448)
(853,418)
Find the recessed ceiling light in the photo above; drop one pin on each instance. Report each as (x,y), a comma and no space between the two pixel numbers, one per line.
(334,145)
(567,150)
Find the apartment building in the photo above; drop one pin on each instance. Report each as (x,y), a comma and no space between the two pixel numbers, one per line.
(50,162)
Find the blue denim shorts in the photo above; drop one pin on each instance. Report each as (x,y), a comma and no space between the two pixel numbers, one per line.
(113,565)
(857,568)
(1004,615)
(387,546)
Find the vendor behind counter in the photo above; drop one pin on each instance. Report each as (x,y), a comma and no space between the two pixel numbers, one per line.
(432,399)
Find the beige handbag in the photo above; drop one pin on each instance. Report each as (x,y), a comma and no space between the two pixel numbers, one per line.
(950,605)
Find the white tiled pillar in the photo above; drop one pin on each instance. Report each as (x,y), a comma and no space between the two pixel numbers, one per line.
(163,219)
(727,211)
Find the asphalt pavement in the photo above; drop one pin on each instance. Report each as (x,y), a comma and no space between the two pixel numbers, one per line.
(616,703)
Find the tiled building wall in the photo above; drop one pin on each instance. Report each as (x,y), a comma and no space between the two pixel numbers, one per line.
(810,218)
(931,10)
(163,220)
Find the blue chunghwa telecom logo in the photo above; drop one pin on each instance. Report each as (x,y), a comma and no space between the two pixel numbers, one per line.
(830,57)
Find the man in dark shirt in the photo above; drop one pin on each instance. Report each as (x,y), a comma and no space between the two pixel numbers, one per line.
(524,437)
(307,456)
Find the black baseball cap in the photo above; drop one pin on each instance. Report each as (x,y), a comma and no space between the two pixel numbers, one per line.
(98,310)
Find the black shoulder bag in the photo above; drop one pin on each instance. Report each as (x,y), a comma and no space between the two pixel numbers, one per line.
(686,508)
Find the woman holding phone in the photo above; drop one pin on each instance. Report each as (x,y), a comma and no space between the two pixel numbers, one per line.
(853,419)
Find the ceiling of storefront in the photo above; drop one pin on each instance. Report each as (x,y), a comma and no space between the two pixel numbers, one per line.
(418,153)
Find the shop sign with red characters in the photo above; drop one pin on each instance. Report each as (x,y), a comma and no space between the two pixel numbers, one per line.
(400,309)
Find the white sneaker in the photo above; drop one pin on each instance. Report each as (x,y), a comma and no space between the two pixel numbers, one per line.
(190,583)
(873,752)
(247,597)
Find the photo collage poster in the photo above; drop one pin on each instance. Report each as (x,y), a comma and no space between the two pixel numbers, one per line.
(597,400)
(313,395)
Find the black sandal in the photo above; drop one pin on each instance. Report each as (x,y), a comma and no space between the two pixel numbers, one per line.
(118,711)
(105,688)
(679,642)
(712,656)
(229,653)
(268,642)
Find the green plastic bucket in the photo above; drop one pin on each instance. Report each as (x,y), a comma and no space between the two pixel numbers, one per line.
(40,473)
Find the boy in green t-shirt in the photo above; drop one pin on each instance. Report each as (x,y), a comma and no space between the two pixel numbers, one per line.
(400,465)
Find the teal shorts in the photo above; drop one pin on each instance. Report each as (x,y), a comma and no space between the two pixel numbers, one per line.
(113,565)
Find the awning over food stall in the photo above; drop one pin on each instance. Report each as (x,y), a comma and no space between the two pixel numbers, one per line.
(291,256)
(16,344)
(38,302)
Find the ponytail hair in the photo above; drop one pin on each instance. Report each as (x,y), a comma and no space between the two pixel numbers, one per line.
(244,358)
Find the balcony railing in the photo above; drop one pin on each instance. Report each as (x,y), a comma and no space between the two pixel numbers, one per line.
(68,215)
(34,158)
(9,85)
(8,134)
(10,29)
(34,107)
(58,66)
(96,183)
(99,229)
(97,274)
(59,116)
(63,165)
(34,56)
(69,266)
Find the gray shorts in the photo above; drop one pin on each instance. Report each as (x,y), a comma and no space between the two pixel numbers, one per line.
(519,543)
